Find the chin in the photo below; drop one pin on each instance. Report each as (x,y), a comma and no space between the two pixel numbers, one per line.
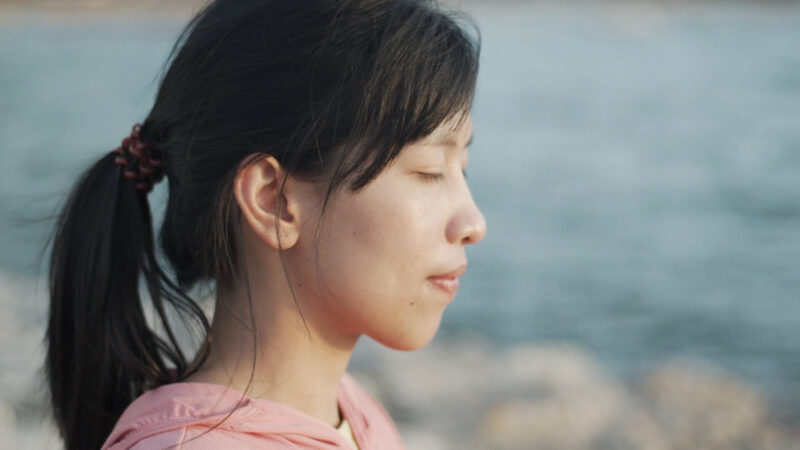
(413,337)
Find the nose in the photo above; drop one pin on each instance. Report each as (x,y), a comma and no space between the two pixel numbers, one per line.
(467,225)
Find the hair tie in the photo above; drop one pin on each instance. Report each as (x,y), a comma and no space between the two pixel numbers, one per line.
(140,163)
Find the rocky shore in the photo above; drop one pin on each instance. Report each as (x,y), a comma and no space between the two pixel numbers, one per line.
(466,395)
(557,396)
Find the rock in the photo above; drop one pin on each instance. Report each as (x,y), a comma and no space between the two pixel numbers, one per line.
(8,427)
(21,343)
(418,387)
(559,398)
(38,434)
(704,407)
(421,439)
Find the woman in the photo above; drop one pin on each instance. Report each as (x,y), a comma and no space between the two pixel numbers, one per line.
(315,153)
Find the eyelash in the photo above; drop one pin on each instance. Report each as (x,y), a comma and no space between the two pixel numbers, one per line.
(431,177)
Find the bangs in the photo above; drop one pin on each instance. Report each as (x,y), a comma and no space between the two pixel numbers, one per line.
(421,74)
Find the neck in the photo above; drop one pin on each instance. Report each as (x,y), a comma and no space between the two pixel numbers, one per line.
(292,361)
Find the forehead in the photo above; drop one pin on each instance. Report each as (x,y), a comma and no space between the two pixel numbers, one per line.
(457,129)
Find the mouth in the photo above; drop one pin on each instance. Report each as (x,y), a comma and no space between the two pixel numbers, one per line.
(457,272)
(448,282)
(448,285)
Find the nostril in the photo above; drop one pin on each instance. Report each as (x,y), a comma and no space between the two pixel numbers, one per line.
(475,235)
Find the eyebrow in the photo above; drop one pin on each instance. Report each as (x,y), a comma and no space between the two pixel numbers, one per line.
(450,142)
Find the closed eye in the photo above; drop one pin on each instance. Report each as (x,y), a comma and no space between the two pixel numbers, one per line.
(430,177)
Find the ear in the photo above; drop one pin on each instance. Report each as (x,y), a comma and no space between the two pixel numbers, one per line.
(270,214)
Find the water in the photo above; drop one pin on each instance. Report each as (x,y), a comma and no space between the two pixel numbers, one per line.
(639,170)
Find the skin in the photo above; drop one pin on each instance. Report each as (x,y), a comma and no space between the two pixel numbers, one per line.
(368,274)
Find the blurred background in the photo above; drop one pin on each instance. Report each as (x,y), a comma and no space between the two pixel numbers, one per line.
(638,165)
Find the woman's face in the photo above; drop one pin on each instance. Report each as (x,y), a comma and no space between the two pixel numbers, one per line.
(389,255)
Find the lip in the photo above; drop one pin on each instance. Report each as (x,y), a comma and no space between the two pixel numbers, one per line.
(448,282)
(459,271)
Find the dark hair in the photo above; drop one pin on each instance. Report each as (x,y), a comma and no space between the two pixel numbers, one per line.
(333,89)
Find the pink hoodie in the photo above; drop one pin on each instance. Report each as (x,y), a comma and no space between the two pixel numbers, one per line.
(171,415)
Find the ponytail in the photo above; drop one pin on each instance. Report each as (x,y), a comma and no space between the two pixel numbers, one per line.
(101,353)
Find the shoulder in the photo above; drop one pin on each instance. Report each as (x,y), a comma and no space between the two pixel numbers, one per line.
(185,415)
(199,438)
(206,416)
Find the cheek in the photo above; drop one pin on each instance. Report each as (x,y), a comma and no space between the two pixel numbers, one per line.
(372,260)
(367,273)
(369,245)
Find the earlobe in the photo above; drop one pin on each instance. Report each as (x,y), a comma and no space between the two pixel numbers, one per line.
(267,211)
